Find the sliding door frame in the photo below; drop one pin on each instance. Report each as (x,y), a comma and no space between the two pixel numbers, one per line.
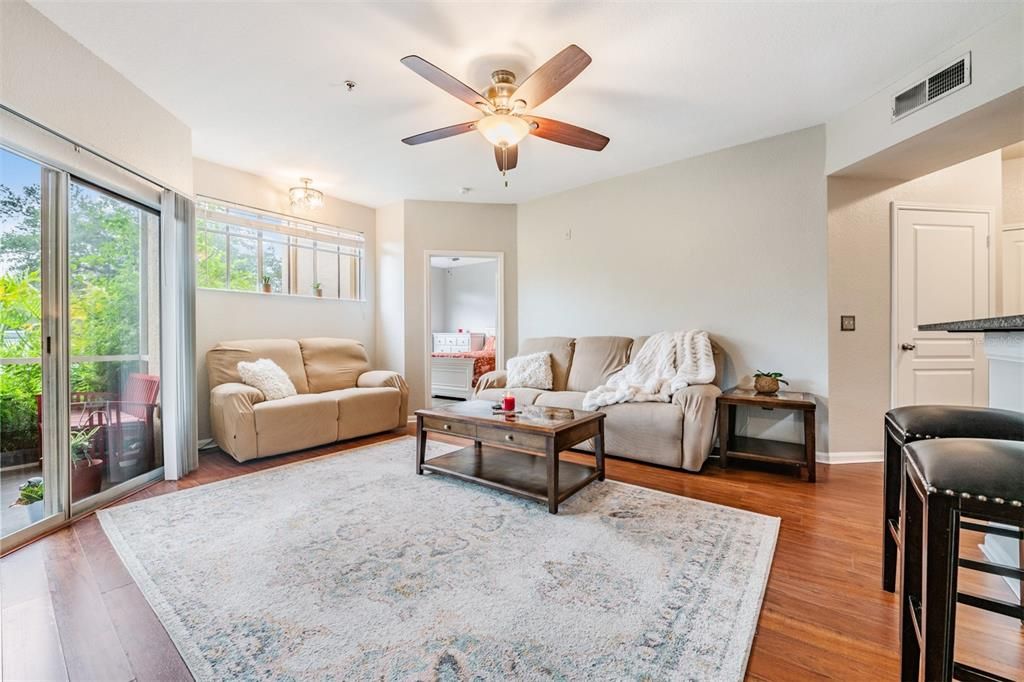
(54,445)
(53,227)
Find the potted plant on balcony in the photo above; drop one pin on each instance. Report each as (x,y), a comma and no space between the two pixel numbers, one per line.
(318,289)
(266,284)
(86,471)
(30,495)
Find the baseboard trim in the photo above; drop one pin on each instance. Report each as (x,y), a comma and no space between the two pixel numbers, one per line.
(862,457)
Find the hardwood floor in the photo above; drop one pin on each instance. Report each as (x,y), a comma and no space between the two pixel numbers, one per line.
(70,610)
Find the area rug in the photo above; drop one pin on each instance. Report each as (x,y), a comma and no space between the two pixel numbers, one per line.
(352,567)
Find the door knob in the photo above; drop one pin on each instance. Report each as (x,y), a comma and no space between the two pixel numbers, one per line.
(908,346)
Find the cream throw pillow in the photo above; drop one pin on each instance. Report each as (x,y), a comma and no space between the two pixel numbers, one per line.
(267,376)
(530,371)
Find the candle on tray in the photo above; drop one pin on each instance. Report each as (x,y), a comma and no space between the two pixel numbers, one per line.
(508,403)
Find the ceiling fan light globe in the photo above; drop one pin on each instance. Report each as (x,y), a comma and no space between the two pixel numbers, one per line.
(503,130)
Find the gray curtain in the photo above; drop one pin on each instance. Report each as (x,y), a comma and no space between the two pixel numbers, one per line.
(181,447)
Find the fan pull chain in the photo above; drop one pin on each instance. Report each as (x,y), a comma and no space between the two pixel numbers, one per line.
(504,164)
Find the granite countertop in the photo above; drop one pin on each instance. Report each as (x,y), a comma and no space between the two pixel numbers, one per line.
(1010,323)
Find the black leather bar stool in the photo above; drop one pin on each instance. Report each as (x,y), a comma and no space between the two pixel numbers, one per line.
(905,425)
(945,481)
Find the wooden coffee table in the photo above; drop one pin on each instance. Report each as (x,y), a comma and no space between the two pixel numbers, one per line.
(505,451)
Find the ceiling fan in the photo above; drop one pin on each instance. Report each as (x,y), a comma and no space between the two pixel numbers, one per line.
(504,105)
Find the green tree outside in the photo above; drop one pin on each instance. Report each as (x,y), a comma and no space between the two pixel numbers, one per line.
(105,251)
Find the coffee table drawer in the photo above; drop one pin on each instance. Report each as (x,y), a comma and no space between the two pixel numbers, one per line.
(454,428)
(510,438)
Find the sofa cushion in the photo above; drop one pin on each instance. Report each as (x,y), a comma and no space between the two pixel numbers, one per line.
(333,364)
(295,423)
(595,358)
(222,360)
(652,432)
(572,400)
(524,396)
(362,411)
(561,348)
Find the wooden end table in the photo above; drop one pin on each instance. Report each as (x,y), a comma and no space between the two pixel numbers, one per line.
(505,449)
(800,455)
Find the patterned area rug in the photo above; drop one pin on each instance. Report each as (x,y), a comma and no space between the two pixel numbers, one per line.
(353,567)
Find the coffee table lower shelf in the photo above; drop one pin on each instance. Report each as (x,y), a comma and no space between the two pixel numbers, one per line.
(512,471)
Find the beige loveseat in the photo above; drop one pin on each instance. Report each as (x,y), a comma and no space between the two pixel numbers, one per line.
(339,397)
(675,434)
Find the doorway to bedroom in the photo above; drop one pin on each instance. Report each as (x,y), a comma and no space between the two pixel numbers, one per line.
(464,339)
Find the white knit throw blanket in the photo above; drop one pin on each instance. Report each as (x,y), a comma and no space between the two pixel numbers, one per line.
(668,362)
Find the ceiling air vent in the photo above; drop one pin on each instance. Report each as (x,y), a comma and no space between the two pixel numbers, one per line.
(942,82)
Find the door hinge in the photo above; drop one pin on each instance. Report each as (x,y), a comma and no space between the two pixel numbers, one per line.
(988,241)
(47,345)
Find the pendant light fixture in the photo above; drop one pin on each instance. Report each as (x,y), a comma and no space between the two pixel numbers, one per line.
(305,197)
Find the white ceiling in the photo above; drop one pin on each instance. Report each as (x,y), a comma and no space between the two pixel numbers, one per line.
(260,84)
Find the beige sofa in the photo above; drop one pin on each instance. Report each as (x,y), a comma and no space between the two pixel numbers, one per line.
(339,397)
(675,434)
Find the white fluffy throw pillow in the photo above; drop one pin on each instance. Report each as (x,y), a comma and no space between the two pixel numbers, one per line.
(268,377)
(530,371)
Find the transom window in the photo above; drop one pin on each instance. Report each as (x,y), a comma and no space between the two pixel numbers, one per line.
(243,249)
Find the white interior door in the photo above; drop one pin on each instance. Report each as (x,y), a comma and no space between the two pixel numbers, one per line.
(941,273)
(1013,269)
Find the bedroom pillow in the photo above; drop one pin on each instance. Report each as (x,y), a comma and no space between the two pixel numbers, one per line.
(530,371)
(489,343)
(267,376)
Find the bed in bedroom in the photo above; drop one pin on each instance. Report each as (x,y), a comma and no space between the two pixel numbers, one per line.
(457,362)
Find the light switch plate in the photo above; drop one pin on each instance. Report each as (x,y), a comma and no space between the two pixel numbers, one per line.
(847,323)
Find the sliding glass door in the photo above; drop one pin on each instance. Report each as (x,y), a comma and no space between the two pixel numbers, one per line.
(113,306)
(27,202)
(79,351)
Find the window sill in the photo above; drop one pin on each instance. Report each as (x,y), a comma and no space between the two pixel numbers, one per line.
(280,295)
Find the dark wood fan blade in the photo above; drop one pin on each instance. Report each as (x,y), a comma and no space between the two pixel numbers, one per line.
(445,81)
(554,75)
(566,133)
(507,158)
(441,133)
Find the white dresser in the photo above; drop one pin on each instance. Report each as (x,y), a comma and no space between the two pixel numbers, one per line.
(453,377)
(456,342)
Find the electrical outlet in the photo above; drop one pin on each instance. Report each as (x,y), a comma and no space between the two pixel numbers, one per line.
(847,323)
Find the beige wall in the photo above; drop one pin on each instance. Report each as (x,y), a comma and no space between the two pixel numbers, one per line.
(1013,191)
(49,77)
(390,331)
(451,226)
(226,315)
(732,242)
(858,284)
